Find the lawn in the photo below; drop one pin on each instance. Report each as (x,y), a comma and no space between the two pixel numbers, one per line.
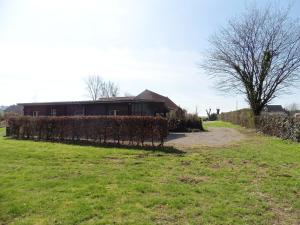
(253,182)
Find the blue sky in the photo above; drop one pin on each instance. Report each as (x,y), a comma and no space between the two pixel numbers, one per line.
(47,48)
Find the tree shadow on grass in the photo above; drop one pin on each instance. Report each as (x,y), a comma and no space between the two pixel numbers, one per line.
(110,145)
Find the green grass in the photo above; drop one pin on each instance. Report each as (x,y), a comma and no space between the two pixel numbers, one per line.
(254,182)
(218,123)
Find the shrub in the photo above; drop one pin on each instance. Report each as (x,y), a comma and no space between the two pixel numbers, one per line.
(213,117)
(186,124)
(102,129)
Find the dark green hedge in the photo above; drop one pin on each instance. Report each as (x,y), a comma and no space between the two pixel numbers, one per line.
(118,129)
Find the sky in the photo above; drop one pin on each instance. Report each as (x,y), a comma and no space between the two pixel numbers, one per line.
(48,48)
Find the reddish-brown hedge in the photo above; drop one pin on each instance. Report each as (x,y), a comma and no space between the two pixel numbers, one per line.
(101,129)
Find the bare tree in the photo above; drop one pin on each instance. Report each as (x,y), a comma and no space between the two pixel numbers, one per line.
(111,89)
(257,54)
(94,85)
(208,112)
(98,88)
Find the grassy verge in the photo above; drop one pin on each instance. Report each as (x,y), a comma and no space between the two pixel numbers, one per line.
(254,182)
(218,123)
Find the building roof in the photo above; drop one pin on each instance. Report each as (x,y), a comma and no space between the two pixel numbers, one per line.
(150,95)
(145,96)
(101,100)
(274,108)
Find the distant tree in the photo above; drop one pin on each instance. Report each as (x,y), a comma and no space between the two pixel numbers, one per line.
(110,89)
(208,112)
(212,116)
(97,88)
(94,85)
(14,109)
(257,54)
(293,108)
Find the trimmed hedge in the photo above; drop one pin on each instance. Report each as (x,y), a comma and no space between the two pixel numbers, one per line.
(101,129)
(282,126)
(242,117)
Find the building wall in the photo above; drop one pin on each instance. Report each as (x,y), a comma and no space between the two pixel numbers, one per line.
(95,109)
(28,110)
(74,110)
(148,109)
(139,109)
(61,110)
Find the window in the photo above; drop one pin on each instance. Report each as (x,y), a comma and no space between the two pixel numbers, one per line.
(53,112)
(35,113)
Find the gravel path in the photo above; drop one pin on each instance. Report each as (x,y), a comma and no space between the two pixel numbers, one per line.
(215,137)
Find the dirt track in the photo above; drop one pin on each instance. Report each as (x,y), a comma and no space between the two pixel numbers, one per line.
(215,137)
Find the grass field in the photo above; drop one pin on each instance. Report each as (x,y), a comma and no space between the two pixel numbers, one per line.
(253,182)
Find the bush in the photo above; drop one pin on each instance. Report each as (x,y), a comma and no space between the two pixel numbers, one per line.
(213,117)
(102,129)
(187,124)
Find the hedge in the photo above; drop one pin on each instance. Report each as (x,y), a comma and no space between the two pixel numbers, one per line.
(242,117)
(282,126)
(279,125)
(188,124)
(101,129)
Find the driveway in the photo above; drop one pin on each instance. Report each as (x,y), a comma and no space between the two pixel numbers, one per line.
(215,137)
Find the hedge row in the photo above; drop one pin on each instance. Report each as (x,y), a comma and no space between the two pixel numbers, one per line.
(285,127)
(278,125)
(187,124)
(242,117)
(101,129)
